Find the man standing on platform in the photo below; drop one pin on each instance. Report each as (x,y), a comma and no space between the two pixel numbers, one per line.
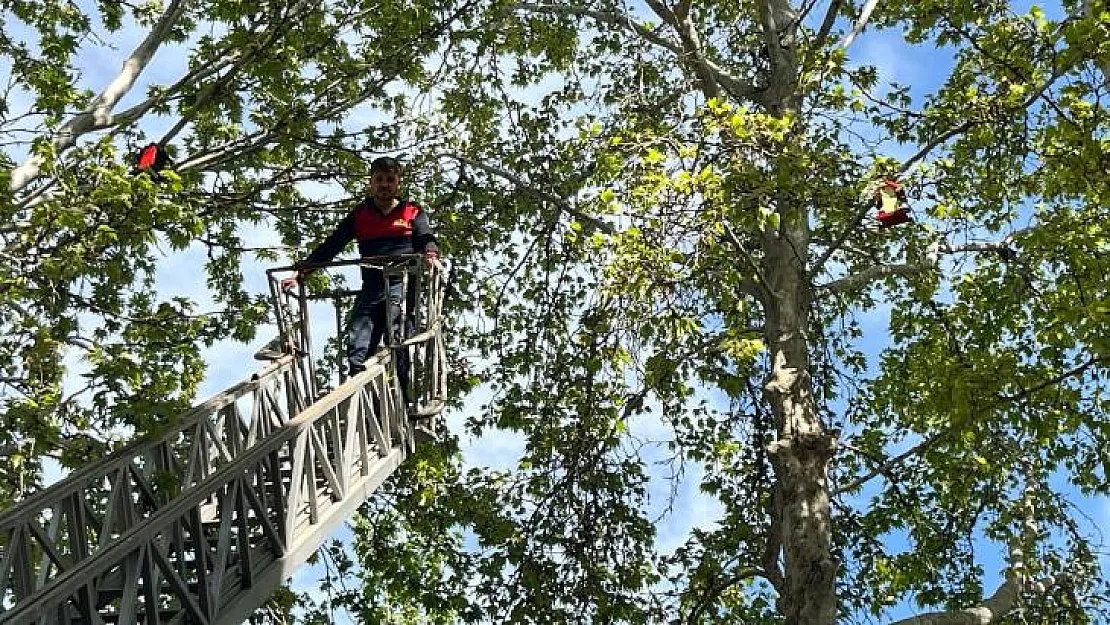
(383,225)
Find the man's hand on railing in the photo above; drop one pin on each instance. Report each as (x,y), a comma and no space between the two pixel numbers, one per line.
(288,283)
(432,258)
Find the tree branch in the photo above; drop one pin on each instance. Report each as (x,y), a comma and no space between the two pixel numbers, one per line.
(885,467)
(827,24)
(779,22)
(762,289)
(872,274)
(1053,381)
(679,18)
(523,184)
(772,551)
(237,59)
(912,162)
(207,93)
(606,17)
(225,152)
(1002,248)
(993,608)
(736,87)
(861,23)
(192,77)
(713,590)
(98,115)
(924,151)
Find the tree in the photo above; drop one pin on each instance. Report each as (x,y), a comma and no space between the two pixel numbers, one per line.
(659,217)
(669,218)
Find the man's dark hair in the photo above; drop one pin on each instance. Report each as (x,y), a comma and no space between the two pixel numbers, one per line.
(386,163)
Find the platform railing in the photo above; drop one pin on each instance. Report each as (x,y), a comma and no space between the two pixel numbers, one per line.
(426,378)
(202,522)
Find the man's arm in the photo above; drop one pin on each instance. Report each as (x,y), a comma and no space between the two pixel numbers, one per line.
(332,245)
(423,240)
(326,251)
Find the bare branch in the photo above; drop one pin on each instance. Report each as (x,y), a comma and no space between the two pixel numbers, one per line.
(563,204)
(225,152)
(192,77)
(872,274)
(1003,248)
(237,59)
(714,588)
(99,113)
(762,290)
(933,143)
(993,608)
(1053,381)
(208,92)
(679,18)
(710,345)
(606,17)
(878,465)
(861,23)
(827,24)
(736,87)
(884,468)
(911,163)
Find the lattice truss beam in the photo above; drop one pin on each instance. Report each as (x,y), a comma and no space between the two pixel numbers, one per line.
(201,524)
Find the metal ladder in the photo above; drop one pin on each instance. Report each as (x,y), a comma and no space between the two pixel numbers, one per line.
(201,523)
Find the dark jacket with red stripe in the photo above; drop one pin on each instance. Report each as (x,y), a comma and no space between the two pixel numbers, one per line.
(404,230)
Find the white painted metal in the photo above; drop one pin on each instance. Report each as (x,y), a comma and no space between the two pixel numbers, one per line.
(200,524)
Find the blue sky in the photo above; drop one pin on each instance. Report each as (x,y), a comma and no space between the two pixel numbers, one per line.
(918,67)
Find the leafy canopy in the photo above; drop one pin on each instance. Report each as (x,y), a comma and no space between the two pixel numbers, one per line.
(612,183)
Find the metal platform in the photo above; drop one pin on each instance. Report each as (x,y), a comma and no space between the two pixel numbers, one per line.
(201,523)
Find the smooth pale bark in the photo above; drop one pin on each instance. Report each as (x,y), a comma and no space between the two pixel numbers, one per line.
(992,608)
(866,277)
(861,23)
(801,453)
(98,115)
(1007,597)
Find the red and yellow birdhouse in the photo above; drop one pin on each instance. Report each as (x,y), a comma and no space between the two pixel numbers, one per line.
(890,199)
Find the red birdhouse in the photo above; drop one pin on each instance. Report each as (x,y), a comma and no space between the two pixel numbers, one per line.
(890,199)
(152,158)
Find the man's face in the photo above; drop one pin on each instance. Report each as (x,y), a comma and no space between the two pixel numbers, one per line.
(384,185)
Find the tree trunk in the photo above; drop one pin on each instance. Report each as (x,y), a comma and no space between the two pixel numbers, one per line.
(800,455)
